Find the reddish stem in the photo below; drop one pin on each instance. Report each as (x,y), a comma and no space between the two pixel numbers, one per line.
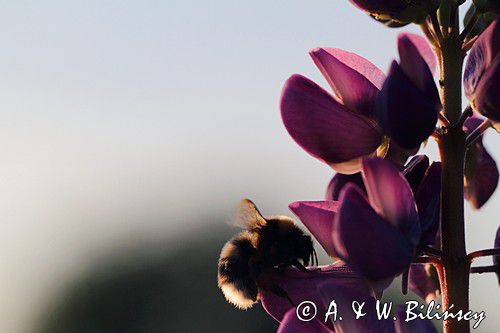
(484,253)
(485,269)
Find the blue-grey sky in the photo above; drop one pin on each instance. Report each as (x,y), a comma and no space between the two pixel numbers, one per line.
(126,119)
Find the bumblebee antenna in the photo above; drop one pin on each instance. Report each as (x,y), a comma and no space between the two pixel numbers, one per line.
(302,268)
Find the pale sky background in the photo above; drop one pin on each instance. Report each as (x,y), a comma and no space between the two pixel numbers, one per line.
(131,120)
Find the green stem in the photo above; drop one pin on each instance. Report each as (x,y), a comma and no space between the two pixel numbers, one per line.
(456,265)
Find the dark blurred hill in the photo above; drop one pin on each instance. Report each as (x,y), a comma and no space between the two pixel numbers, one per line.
(161,289)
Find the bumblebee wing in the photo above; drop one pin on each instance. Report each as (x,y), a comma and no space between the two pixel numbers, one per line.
(248,215)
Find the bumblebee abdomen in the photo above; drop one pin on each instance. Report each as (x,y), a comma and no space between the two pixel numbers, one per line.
(235,274)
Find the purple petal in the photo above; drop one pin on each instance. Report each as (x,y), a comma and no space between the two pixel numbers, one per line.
(292,324)
(428,198)
(486,100)
(416,68)
(481,175)
(391,196)
(413,326)
(318,217)
(322,126)
(481,171)
(339,181)
(415,170)
(406,113)
(398,10)
(344,297)
(303,286)
(369,244)
(349,167)
(483,52)
(471,124)
(397,154)
(355,80)
(421,45)
(424,282)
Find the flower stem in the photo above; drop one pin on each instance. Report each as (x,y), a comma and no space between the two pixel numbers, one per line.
(443,119)
(485,269)
(484,253)
(456,264)
(465,115)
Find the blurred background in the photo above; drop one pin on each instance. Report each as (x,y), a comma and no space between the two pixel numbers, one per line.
(129,132)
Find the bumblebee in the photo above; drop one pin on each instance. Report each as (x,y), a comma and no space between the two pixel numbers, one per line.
(264,246)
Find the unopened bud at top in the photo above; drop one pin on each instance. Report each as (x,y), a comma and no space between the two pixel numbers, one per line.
(485,6)
(483,21)
(402,11)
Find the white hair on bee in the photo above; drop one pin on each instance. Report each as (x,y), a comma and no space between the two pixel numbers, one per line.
(236,297)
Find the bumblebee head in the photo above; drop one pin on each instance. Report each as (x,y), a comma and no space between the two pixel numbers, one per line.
(303,248)
(290,242)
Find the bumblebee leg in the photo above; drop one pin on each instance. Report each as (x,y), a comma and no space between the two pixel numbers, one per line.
(281,268)
(302,268)
(280,292)
(316,257)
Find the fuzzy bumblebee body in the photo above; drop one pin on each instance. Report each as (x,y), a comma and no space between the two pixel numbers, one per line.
(266,244)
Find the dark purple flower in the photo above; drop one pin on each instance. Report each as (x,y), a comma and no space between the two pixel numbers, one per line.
(424,282)
(369,323)
(425,182)
(482,74)
(388,211)
(292,324)
(344,296)
(409,102)
(398,10)
(428,200)
(481,172)
(354,80)
(339,181)
(415,170)
(399,155)
(338,129)
(304,286)
(324,128)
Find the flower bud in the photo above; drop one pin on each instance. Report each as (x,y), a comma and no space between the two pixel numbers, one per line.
(481,171)
(482,23)
(401,11)
(484,6)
